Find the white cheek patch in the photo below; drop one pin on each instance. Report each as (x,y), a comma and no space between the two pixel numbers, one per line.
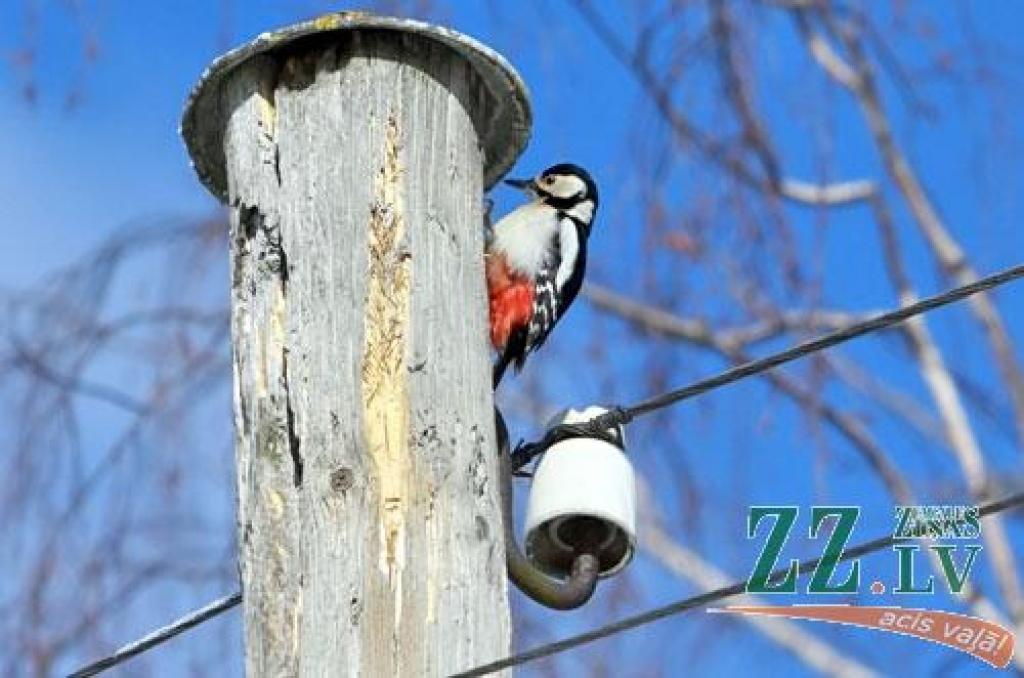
(584,211)
(566,187)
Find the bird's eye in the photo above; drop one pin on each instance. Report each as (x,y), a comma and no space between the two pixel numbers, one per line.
(548,180)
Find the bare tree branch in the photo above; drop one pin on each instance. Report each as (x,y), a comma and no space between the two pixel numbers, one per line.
(956,425)
(800,192)
(857,76)
(661,322)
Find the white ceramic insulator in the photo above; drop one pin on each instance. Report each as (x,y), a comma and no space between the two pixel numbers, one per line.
(584,477)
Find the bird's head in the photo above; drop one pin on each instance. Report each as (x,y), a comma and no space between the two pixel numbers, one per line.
(567,187)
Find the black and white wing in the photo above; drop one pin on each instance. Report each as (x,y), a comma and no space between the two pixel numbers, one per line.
(557,284)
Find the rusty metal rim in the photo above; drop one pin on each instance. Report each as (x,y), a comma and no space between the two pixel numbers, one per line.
(503,142)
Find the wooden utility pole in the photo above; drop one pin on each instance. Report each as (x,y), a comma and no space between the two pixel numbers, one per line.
(353,152)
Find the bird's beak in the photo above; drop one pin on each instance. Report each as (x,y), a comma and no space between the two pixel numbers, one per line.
(522,184)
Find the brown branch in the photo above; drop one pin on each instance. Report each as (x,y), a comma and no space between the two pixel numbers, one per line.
(736,90)
(848,427)
(688,133)
(903,407)
(857,76)
(956,425)
(698,331)
(36,366)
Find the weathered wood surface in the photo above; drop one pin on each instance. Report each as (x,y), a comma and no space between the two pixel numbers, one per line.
(369,517)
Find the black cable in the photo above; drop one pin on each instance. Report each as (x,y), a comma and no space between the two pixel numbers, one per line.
(217,607)
(698,601)
(526,452)
(161,635)
(623,415)
(598,427)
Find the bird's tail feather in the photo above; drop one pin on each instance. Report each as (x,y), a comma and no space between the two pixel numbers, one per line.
(499,369)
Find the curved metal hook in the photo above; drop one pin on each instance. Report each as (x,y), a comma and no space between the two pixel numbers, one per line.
(558,595)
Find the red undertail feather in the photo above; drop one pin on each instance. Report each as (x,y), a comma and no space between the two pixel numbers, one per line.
(511,300)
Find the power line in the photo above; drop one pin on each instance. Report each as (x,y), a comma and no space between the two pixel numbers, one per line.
(161,635)
(221,605)
(617,416)
(597,427)
(697,601)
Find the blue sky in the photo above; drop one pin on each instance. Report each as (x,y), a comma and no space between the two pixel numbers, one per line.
(72,178)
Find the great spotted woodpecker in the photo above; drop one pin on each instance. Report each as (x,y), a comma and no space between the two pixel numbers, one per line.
(536,258)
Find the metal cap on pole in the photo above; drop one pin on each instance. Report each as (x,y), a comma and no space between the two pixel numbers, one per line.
(504,131)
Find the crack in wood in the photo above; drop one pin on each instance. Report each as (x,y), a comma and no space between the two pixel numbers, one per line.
(294,442)
(267,93)
(271,259)
(282,262)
